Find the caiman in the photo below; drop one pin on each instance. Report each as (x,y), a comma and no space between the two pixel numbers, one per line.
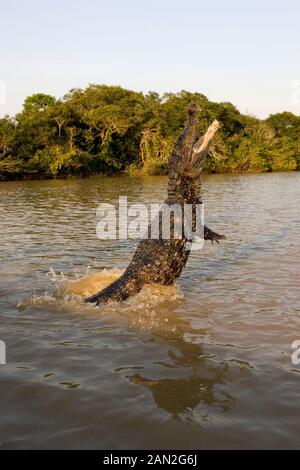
(161,260)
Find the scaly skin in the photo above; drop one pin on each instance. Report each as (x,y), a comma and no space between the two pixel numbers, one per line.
(161,261)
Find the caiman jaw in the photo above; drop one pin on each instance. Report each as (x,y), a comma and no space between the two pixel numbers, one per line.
(200,148)
(188,155)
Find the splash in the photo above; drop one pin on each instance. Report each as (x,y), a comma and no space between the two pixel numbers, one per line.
(71,291)
(87,285)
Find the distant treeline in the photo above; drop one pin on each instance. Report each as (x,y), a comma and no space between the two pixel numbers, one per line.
(110,130)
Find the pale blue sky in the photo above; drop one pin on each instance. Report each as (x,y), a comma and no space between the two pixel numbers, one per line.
(246,52)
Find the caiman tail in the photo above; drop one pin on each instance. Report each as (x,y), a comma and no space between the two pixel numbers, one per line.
(118,290)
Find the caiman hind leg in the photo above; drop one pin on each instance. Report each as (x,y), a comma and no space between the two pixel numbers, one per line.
(212,236)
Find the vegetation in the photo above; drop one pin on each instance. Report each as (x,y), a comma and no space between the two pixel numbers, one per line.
(107,129)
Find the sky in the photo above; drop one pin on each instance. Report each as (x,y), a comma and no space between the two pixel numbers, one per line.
(246,52)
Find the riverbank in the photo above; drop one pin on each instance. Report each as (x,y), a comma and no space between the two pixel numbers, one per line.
(111,130)
(131,174)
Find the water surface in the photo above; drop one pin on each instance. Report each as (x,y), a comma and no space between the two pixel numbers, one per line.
(205,364)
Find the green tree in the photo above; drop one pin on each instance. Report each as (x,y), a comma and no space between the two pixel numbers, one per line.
(38,102)
(108,129)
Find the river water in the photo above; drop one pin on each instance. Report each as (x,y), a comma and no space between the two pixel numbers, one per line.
(204,364)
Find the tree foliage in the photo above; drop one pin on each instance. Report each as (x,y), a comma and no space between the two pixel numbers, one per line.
(108,129)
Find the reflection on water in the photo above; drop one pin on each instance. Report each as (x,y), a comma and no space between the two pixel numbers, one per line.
(202,364)
(197,386)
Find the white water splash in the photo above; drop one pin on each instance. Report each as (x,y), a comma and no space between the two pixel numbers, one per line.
(70,292)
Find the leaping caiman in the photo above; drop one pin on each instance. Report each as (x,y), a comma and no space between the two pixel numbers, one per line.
(161,261)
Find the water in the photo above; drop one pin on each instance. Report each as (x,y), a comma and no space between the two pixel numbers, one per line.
(204,364)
